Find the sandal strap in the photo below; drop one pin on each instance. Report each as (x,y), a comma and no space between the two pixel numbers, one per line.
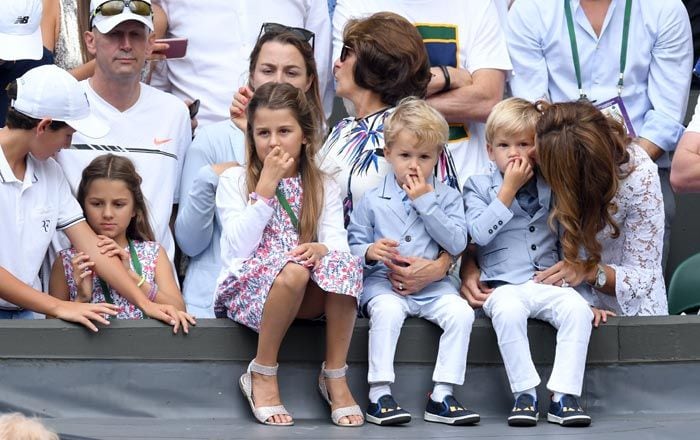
(263,413)
(265,370)
(347,411)
(334,374)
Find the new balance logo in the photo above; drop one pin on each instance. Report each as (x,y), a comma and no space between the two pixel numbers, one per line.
(22,19)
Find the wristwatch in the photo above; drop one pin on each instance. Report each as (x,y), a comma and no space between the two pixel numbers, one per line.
(600,277)
(453,261)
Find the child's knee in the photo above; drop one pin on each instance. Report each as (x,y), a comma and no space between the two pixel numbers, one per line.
(386,311)
(508,311)
(578,311)
(459,313)
(293,277)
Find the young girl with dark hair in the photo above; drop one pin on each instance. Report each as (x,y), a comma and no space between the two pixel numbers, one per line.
(114,206)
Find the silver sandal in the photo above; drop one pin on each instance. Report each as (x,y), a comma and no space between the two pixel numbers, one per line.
(263,413)
(339,413)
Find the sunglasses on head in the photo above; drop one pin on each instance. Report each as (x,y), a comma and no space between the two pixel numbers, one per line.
(116,7)
(277,28)
(345,51)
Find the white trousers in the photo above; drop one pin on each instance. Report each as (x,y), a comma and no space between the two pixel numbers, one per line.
(450,312)
(510,306)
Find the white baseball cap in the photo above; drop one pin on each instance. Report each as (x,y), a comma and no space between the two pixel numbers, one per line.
(50,92)
(105,23)
(20,30)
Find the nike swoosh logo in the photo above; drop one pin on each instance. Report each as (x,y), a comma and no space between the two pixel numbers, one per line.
(157,141)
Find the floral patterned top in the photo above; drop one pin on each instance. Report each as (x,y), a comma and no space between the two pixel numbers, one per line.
(354,156)
(147,252)
(636,253)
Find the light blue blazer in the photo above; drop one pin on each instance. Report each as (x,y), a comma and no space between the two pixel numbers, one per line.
(435,223)
(511,244)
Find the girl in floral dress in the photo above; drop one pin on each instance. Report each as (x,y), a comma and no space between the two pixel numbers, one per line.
(111,198)
(285,252)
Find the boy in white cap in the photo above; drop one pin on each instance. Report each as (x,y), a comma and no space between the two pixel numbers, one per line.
(47,107)
(21,46)
(150,127)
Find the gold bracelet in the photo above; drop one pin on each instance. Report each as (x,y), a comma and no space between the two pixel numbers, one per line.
(141,281)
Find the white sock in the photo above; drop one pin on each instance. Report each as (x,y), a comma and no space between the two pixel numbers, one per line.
(556,396)
(377,390)
(441,390)
(531,391)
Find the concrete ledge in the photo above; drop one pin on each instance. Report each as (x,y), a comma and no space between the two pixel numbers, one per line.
(621,340)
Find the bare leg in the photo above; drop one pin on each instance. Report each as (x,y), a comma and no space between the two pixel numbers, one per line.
(340,311)
(281,307)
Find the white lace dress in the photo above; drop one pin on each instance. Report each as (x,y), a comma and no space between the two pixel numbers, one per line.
(636,253)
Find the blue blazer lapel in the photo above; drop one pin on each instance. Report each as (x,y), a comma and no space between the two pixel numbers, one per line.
(544,196)
(496,184)
(391,197)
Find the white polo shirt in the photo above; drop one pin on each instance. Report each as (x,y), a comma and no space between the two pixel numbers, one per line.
(32,210)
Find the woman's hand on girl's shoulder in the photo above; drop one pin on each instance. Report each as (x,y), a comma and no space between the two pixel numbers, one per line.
(82,276)
(239,106)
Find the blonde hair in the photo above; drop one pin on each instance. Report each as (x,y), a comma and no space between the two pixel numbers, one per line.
(16,426)
(418,117)
(510,117)
(283,96)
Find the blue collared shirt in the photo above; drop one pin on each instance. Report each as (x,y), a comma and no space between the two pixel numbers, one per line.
(659,61)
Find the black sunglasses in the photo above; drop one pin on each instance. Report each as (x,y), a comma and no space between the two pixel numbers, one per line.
(277,28)
(344,52)
(116,7)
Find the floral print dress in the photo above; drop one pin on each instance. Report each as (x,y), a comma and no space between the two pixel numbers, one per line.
(147,252)
(242,294)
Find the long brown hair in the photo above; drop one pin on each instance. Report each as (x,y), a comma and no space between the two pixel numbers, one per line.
(283,96)
(581,153)
(83,13)
(313,95)
(112,167)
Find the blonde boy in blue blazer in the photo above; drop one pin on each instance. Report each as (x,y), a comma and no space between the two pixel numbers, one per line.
(507,217)
(411,214)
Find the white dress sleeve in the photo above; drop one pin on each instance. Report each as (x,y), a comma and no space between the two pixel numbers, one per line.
(636,254)
(242,223)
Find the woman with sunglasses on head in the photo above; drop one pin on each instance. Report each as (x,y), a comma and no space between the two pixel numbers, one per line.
(281,54)
(383,61)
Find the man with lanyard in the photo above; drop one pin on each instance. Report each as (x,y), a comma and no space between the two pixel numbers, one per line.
(632,59)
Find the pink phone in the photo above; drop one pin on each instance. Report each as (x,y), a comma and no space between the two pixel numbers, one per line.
(177,47)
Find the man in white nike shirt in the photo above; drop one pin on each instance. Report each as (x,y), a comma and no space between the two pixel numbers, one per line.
(150,127)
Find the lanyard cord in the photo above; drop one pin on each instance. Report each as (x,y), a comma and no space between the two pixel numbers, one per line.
(574,46)
(137,268)
(285,204)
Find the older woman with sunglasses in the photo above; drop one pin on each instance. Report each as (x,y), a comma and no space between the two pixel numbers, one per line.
(382,61)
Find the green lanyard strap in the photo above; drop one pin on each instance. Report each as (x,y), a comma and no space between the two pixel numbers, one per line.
(574,46)
(137,268)
(285,204)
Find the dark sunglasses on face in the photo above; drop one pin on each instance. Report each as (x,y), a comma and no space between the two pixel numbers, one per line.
(277,28)
(115,7)
(345,51)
